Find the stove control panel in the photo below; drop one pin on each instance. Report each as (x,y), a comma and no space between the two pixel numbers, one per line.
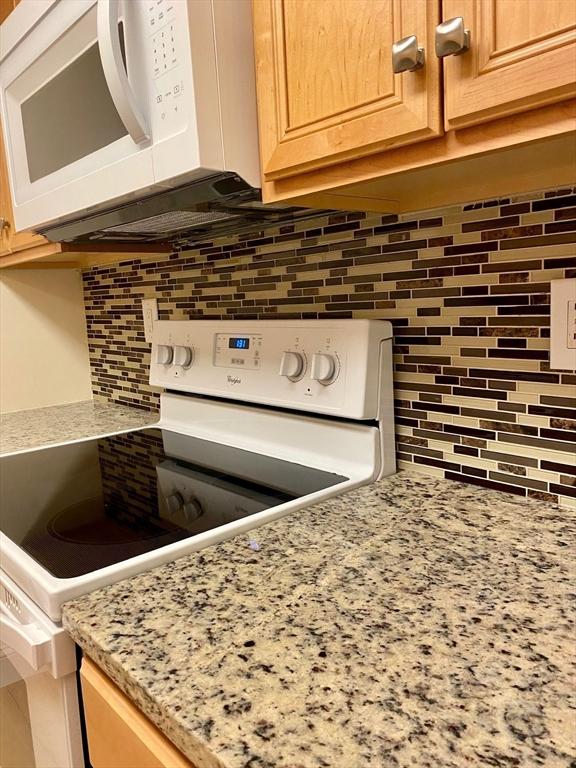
(326,366)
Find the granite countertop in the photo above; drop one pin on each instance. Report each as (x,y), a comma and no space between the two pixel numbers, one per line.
(38,427)
(416,622)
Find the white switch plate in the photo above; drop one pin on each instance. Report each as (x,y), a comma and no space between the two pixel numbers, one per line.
(563,325)
(150,313)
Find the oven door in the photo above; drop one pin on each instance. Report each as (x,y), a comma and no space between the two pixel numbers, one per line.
(75,106)
(38,689)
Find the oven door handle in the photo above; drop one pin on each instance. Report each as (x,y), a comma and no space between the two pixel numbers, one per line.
(116,78)
(27,640)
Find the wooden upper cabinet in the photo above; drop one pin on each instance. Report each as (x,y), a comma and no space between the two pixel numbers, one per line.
(6,8)
(522,56)
(326,89)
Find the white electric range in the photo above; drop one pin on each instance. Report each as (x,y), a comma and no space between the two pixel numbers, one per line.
(257,419)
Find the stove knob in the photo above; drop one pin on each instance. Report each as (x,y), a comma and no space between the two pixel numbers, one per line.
(183,356)
(175,502)
(164,354)
(192,509)
(292,365)
(323,368)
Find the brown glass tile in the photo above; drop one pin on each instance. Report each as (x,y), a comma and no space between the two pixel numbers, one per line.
(486,301)
(515,209)
(548,410)
(419,283)
(472,321)
(467,381)
(509,232)
(434,359)
(345,227)
(560,262)
(484,414)
(469,392)
(543,496)
(458,429)
(518,354)
(514,277)
(542,320)
(569,225)
(537,485)
(471,248)
(397,226)
(511,407)
(554,466)
(560,434)
(516,343)
(537,442)
(420,451)
(367,250)
(558,202)
(437,463)
(512,469)
(399,247)
(389,257)
(509,333)
(438,407)
(411,440)
(526,461)
(563,490)
(477,226)
(565,213)
(534,242)
(437,436)
(523,288)
(466,450)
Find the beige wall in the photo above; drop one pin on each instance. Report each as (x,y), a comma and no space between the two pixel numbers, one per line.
(43,345)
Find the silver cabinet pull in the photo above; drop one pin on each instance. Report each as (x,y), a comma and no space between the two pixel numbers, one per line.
(406,56)
(451,38)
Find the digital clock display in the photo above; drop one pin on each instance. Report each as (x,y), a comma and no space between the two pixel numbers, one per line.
(239,343)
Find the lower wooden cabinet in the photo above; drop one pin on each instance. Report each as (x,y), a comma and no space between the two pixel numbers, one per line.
(119,735)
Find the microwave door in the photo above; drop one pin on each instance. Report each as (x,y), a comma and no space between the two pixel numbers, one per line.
(75,109)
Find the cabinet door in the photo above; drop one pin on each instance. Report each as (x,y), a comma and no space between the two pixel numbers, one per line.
(6,8)
(522,55)
(326,89)
(119,736)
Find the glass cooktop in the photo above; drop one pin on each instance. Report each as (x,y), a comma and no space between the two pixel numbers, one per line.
(79,507)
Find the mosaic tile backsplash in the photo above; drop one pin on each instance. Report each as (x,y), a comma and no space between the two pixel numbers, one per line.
(467,289)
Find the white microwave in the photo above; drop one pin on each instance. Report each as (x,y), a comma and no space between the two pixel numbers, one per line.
(129,119)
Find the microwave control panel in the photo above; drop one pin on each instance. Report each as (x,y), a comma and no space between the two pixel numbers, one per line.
(333,367)
(166,26)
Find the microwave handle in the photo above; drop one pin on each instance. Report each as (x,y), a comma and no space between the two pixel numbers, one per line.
(115,74)
(27,640)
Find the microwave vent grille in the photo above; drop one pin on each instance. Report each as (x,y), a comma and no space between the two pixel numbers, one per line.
(167,223)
